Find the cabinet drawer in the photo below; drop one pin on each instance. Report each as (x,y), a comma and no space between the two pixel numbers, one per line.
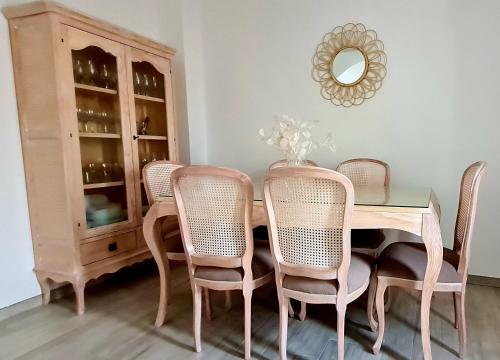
(107,247)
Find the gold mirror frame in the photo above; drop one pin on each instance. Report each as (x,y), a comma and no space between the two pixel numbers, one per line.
(349,36)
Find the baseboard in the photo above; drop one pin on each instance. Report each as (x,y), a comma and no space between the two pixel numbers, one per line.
(483,280)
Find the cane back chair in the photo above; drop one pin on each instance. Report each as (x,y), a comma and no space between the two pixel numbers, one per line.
(403,264)
(215,215)
(309,218)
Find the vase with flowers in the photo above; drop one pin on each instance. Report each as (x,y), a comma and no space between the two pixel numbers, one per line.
(294,139)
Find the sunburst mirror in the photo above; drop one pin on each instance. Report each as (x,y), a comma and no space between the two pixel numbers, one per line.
(349,64)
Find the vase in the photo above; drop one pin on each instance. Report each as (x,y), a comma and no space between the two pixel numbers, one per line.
(296,162)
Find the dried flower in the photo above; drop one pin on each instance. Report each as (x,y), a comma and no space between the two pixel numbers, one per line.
(293,138)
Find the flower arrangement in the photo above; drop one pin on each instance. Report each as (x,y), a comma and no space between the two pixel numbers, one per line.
(293,138)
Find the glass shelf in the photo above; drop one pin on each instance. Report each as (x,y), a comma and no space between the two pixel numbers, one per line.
(103,185)
(148,98)
(100,135)
(95,89)
(152,137)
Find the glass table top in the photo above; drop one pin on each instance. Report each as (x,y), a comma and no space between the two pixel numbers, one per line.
(392,196)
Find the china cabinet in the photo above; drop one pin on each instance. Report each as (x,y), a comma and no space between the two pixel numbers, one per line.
(95,105)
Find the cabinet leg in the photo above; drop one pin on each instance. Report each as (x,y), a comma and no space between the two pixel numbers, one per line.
(79,287)
(45,287)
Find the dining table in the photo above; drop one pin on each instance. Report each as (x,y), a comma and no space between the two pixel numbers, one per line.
(412,209)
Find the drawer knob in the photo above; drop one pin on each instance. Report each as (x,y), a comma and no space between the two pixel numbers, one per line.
(113,246)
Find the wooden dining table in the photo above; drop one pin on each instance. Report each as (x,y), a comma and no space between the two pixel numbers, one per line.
(411,209)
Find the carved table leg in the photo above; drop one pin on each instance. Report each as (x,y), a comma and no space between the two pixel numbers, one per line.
(431,235)
(152,237)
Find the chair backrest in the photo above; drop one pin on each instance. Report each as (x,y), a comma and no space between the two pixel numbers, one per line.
(366,172)
(284,162)
(466,214)
(309,219)
(215,212)
(156,176)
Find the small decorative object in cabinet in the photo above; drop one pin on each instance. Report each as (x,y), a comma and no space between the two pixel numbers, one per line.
(95,104)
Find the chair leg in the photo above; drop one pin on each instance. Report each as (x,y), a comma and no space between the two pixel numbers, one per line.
(456,306)
(248,324)
(291,313)
(460,311)
(228,303)
(284,310)
(341,308)
(379,301)
(303,310)
(197,317)
(388,301)
(371,302)
(208,305)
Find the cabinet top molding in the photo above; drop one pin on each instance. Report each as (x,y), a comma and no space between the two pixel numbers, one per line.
(117,33)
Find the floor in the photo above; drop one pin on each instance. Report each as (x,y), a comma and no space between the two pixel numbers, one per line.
(121,310)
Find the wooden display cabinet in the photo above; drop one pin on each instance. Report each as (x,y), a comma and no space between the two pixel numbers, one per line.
(95,105)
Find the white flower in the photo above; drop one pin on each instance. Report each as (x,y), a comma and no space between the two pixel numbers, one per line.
(293,138)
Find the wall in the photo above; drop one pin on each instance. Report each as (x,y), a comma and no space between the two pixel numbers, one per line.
(157,19)
(435,114)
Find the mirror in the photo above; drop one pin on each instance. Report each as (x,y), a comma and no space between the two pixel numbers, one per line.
(348,66)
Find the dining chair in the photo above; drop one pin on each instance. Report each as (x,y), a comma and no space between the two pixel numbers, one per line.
(215,216)
(403,264)
(309,218)
(284,162)
(303,305)
(366,172)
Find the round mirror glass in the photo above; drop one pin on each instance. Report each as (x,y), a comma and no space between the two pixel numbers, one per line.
(348,66)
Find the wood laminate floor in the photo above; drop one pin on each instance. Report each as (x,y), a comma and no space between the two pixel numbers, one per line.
(118,324)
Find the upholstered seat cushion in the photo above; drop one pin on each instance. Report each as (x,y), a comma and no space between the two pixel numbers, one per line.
(359,274)
(366,238)
(262,264)
(407,260)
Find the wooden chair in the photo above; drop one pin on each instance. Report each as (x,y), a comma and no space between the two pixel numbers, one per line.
(156,176)
(309,218)
(365,172)
(303,305)
(215,215)
(284,162)
(403,264)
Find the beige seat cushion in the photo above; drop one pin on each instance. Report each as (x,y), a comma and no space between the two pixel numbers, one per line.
(406,260)
(366,238)
(262,264)
(359,274)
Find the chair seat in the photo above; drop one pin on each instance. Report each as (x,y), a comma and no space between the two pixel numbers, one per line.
(366,238)
(407,260)
(262,264)
(359,274)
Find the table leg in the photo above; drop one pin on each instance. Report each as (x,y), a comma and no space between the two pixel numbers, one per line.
(431,236)
(152,237)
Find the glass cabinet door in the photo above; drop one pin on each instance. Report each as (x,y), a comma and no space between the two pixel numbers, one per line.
(152,125)
(103,132)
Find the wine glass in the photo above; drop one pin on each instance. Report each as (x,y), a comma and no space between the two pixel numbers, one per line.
(78,72)
(137,83)
(90,72)
(154,85)
(146,85)
(105,76)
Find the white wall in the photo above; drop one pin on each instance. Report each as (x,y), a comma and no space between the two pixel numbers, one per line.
(156,19)
(435,113)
